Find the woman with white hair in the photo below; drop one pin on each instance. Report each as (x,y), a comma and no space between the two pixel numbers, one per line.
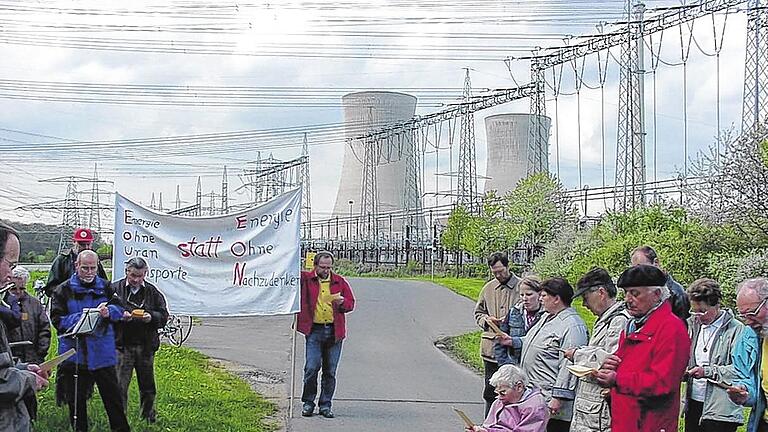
(517,407)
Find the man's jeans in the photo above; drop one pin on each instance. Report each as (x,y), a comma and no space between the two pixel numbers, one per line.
(142,359)
(322,351)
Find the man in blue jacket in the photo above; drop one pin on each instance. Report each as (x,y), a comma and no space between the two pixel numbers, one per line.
(96,353)
(747,389)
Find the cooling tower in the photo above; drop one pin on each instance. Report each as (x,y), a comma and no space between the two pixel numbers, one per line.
(507,140)
(366,112)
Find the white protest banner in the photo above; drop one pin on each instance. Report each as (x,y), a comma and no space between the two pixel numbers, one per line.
(244,263)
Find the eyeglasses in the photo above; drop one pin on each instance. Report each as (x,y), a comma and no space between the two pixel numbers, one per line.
(753,313)
(502,392)
(697,313)
(12,265)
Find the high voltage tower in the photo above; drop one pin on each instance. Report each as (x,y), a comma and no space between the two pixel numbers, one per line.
(755,108)
(306,202)
(467,175)
(76,211)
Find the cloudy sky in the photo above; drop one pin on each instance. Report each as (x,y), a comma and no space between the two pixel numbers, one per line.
(159,93)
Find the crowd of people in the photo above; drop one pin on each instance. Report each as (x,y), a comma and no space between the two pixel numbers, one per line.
(545,371)
(121,319)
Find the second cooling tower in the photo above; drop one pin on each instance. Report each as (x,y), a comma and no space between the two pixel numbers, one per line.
(366,112)
(507,140)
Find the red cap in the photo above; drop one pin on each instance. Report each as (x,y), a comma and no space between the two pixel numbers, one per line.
(82,235)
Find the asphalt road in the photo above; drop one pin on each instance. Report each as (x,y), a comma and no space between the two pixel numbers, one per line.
(391,377)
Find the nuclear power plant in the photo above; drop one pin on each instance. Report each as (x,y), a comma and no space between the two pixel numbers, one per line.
(507,137)
(365,112)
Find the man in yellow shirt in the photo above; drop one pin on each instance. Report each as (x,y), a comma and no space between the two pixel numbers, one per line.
(325,299)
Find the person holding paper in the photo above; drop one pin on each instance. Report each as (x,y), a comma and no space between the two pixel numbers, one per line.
(496,298)
(18,382)
(520,319)
(542,359)
(326,298)
(591,410)
(96,355)
(517,407)
(35,326)
(714,332)
(645,372)
(137,338)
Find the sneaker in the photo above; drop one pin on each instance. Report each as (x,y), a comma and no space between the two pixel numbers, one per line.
(327,413)
(307,411)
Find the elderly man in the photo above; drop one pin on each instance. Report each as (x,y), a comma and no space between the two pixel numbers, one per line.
(326,298)
(591,411)
(542,360)
(18,382)
(137,338)
(750,351)
(644,374)
(96,355)
(35,326)
(681,305)
(496,298)
(64,265)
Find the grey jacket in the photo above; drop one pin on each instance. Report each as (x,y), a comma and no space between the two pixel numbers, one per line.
(591,410)
(495,300)
(543,362)
(717,405)
(35,327)
(15,385)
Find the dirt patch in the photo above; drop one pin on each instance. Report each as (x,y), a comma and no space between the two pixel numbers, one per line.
(271,385)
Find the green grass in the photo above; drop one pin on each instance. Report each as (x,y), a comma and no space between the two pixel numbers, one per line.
(193,394)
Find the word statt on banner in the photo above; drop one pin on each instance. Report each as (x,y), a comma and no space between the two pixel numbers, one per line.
(245,263)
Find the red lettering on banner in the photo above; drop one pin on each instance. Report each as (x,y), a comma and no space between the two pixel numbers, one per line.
(239,273)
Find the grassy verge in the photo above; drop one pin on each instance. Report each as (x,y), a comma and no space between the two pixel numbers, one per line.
(466,347)
(193,395)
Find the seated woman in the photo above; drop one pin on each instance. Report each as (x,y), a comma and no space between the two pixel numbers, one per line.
(517,407)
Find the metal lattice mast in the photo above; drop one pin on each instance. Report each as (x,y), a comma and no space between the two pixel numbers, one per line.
(70,218)
(199,198)
(306,196)
(369,205)
(160,203)
(630,150)
(537,138)
(755,108)
(178,198)
(224,192)
(94,212)
(467,181)
(412,190)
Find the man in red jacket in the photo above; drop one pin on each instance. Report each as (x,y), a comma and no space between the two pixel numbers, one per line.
(644,374)
(325,299)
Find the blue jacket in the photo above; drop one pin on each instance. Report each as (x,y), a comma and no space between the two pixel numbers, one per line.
(97,349)
(746,360)
(515,326)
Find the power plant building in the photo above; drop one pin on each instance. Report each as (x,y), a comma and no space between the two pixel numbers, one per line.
(366,112)
(507,141)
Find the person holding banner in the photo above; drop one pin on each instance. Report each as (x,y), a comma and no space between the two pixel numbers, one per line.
(325,299)
(137,338)
(96,355)
(64,265)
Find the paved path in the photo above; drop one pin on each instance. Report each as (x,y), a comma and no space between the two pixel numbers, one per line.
(391,376)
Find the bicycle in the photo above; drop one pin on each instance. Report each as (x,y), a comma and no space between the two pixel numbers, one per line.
(41,296)
(177,329)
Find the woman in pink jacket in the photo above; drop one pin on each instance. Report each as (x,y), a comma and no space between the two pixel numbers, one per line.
(517,407)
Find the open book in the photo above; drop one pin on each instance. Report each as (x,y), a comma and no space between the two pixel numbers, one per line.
(87,322)
(467,422)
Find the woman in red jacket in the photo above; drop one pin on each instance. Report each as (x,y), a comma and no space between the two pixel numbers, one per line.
(645,373)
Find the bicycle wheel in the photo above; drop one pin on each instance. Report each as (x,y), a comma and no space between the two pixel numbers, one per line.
(182,330)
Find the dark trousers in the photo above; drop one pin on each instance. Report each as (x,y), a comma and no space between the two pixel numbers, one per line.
(106,381)
(142,359)
(489,395)
(693,415)
(322,352)
(558,426)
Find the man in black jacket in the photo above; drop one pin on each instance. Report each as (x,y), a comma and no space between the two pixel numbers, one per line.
(63,266)
(35,326)
(681,306)
(137,339)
